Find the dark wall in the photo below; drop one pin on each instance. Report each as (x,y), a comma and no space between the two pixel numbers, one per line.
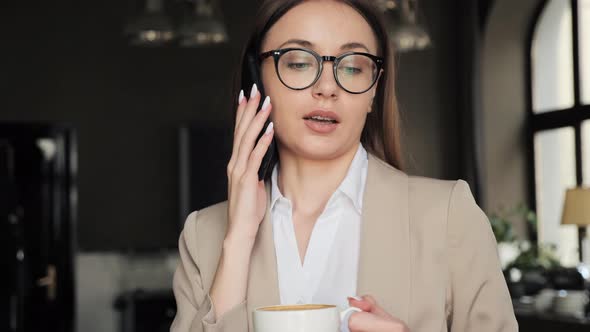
(68,62)
(428,93)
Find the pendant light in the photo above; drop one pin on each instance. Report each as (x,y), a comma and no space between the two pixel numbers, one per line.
(203,27)
(151,28)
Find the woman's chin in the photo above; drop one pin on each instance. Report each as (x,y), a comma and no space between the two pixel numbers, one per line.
(319,148)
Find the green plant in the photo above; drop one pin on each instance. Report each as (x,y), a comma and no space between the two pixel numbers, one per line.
(531,256)
(502,221)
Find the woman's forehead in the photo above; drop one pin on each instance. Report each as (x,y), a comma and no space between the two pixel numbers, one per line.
(326,25)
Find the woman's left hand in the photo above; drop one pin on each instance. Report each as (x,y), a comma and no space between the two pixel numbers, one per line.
(373,318)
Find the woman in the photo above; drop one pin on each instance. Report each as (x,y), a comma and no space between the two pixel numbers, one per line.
(337,217)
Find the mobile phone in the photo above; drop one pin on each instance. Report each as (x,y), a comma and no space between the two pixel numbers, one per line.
(270,157)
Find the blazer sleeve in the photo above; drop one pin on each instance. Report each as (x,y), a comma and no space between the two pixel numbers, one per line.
(479,297)
(194,309)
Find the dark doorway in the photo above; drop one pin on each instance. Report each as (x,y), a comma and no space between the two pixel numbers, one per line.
(37,210)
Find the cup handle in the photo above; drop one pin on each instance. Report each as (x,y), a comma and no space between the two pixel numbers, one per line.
(344,315)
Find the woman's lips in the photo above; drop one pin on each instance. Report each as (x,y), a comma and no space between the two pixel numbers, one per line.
(325,122)
(323,114)
(320,127)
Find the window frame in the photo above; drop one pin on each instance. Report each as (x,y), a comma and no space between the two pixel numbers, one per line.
(557,118)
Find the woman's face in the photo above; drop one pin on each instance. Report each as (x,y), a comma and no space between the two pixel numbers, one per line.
(328,28)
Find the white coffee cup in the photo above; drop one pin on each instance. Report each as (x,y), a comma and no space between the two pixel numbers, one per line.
(300,317)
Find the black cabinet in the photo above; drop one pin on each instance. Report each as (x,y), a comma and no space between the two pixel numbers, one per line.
(146,311)
(530,322)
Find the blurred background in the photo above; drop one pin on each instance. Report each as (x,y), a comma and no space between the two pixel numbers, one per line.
(115,124)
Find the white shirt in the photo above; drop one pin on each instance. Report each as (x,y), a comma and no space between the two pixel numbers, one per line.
(329,272)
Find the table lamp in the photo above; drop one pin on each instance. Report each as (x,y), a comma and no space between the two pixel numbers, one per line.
(576,211)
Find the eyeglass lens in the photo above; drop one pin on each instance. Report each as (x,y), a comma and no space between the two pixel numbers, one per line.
(299,69)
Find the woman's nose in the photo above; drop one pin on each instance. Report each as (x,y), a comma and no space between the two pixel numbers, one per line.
(326,85)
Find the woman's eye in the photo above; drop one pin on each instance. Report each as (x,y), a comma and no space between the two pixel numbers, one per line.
(299,65)
(351,70)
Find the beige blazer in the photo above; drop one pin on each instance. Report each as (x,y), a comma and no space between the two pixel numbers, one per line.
(428,256)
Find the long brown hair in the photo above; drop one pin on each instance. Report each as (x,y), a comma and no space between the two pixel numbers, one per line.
(382,131)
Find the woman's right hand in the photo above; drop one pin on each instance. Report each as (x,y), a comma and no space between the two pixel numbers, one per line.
(246,204)
(246,194)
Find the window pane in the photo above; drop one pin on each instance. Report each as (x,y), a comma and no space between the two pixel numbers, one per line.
(584,37)
(586,174)
(555,171)
(586,152)
(552,59)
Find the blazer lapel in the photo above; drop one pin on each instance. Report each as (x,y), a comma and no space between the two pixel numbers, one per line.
(384,264)
(263,284)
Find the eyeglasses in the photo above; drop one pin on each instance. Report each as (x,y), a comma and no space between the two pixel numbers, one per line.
(299,68)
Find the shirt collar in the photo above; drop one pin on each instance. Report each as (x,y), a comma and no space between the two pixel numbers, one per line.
(275,192)
(351,186)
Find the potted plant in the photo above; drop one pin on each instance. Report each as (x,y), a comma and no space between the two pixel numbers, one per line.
(501,222)
(525,265)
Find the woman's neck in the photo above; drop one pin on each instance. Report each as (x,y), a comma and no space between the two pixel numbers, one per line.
(308,183)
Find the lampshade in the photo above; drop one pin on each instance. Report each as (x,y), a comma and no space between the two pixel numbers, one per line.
(151,28)
(385,5)
(576,208)
(406,30)
(203,27)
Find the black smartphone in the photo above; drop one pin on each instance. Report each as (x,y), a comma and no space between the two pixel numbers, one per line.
(270,157)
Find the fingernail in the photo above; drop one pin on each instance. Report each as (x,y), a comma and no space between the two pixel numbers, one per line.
(266,103)
(241,97)
(254,91)
(269,128)
(356,298)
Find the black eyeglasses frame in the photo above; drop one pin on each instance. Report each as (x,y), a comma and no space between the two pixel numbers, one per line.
(276,54)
